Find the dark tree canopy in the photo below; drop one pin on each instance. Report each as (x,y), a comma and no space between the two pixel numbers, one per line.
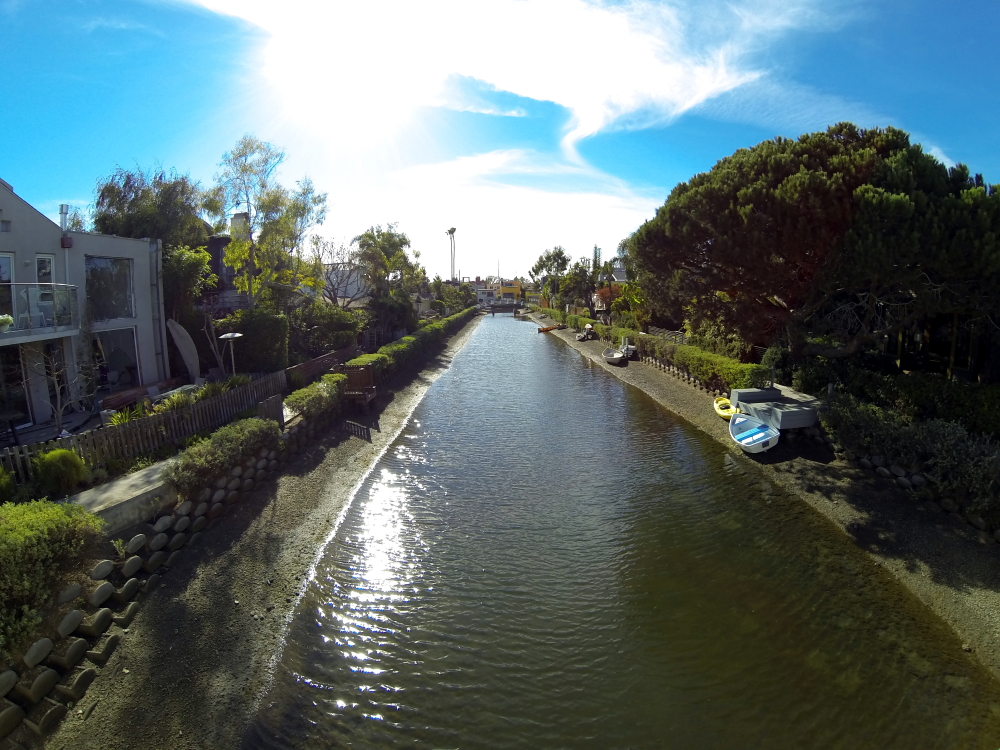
(155,204)
(833,239)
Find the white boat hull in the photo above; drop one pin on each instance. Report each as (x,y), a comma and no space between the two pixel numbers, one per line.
(613,356)
(752,435)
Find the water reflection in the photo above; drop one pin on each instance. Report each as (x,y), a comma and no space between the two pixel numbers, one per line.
(548,559)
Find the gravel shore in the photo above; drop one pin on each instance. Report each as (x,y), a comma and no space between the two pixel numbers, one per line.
(942,564)
(197,658)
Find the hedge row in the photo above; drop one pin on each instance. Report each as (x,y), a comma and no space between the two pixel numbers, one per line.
(322,397)
(203,462)
(37,541)
(961,464)
(716,371)
(409,350)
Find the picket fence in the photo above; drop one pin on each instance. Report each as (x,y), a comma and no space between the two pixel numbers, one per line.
(149,434)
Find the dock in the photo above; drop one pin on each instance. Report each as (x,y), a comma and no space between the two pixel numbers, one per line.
(779,406)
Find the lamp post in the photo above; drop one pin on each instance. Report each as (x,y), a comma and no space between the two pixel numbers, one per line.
(451,237)
(231,337)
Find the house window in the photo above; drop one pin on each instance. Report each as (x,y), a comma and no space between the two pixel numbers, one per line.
(109,288)
(4,225)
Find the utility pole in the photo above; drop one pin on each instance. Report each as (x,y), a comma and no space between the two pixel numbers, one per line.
(451,236)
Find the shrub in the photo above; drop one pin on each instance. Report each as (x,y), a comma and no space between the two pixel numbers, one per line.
(264,346)
(211,390)
(37,540)
(200,464)
(379,362)
(60,471)
(960,463)
(319,398)
(8,487)
(713,369)
(235,381)
(175,401)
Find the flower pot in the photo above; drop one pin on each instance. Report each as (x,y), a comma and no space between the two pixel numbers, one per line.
(4,327)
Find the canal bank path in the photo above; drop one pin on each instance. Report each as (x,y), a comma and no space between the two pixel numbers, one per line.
(943,565)
(192,666)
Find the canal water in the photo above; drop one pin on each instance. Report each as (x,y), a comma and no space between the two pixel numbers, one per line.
(546,558)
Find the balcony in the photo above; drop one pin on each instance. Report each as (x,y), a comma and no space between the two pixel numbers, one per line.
(40,311)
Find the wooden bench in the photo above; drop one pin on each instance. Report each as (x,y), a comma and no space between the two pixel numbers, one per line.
(360,386)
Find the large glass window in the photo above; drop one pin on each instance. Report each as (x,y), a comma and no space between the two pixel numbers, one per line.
(116,359)
(109,288)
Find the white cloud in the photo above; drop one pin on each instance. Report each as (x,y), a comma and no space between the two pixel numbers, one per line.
(342,86)
(940,155)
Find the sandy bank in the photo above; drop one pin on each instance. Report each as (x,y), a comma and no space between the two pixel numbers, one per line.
(942,564)
(195,661)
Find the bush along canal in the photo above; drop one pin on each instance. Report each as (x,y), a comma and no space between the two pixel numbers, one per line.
(546,557)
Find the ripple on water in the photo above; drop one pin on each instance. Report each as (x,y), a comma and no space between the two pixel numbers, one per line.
(546,558)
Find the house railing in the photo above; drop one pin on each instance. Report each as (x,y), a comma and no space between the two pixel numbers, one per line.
(148,434)
(674,337)
(34,306)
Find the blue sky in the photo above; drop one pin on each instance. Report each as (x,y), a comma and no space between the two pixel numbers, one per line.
(525,124)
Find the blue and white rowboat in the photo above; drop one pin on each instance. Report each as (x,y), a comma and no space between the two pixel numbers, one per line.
(752,435)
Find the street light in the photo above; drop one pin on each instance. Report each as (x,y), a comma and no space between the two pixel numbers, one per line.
(231,337)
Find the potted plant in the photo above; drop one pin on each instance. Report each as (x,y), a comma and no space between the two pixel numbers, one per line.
(6,321)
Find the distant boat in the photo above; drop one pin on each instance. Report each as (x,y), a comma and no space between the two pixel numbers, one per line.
(613,356)
(551,328)
(752,435)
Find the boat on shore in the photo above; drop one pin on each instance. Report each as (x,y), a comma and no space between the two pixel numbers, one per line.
(558,327)
(724,408)
(752,435)
(613,356)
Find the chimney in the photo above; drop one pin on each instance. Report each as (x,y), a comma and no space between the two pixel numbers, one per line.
(239,225)
(64,216)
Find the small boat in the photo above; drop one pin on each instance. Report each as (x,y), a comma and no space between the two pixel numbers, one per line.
(558,327)
(752,435)
(613,356)
(724,408)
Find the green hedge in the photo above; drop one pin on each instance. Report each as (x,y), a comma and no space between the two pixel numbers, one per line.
(320,398)
(961,464)
(201,464)
(38,540)
(715,370)
(409,350)
(264,346)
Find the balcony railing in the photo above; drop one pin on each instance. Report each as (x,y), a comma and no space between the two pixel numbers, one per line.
(40,307)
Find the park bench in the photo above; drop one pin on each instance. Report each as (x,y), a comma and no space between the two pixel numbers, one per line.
(360,386)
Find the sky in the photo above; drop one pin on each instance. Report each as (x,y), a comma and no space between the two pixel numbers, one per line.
(524,124)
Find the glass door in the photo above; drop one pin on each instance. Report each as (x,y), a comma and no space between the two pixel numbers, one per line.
(13,394)
(45,275)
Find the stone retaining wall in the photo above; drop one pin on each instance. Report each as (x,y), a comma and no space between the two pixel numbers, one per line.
(45,682)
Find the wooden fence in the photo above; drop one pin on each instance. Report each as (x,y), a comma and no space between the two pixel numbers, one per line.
(305,373)
(149,434)
(674,337)
(273,408)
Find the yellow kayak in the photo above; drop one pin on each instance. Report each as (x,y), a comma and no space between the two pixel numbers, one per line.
(724,408)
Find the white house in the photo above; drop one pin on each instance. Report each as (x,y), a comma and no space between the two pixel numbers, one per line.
(71,294)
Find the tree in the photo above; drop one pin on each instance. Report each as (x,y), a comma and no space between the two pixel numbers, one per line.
(156,204)
(269,236)
(344,278)
(382,254)
(187,274)
(548,269)
(834,240)
(68,382)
